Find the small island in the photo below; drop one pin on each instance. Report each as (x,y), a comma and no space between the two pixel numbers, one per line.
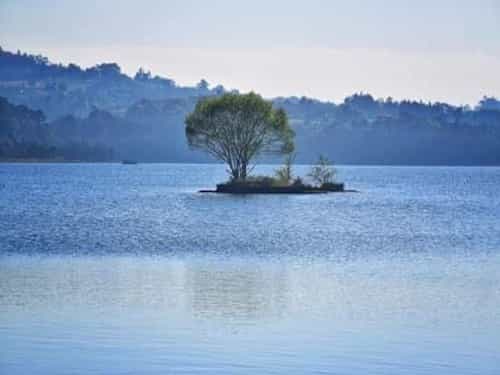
(264,187)
(239,128)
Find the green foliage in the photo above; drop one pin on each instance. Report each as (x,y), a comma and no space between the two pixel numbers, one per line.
(323,172)
(298,181)
(264,182)
(285,173)
(236,129)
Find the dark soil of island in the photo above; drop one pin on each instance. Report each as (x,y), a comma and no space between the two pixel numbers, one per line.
(239,188)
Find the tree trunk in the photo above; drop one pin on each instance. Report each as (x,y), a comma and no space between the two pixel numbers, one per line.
(235,174)
(243,171)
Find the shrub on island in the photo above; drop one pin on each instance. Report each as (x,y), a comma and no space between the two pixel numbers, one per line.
(322,174)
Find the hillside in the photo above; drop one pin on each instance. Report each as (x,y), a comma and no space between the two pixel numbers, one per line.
(59,90)
(142,117)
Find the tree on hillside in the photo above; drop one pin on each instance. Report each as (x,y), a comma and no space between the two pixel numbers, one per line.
(202,85)
(489,104)
(238,128)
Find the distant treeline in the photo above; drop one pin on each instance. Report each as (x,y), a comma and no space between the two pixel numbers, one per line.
(53,111)
(24,135)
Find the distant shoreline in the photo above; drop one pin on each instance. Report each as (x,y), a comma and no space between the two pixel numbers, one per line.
(54,161)
(57,161)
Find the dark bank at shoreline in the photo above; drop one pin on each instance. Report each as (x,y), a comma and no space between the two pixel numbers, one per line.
(61,161)
(252,188)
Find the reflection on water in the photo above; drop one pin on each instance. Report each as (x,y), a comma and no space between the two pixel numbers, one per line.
(137,273)
(237,291)
(205,289)
(149,308)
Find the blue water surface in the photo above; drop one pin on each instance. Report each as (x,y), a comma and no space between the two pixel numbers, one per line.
(127,269)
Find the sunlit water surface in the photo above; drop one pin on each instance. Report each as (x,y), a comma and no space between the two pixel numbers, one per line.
(126,269)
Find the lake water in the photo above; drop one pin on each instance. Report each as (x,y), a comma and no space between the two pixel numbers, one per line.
(126,269)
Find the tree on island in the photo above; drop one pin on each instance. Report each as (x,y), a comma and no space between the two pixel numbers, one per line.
(285,173)
(237,128)
(323,173)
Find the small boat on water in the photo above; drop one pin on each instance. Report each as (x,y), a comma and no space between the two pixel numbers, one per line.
(129,162)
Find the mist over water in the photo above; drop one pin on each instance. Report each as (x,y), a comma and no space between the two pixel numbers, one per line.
(127,269)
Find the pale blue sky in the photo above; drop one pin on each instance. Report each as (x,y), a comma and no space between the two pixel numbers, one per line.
(431,50)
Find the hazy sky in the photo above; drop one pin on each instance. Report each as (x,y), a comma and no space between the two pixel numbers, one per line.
(431,50)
